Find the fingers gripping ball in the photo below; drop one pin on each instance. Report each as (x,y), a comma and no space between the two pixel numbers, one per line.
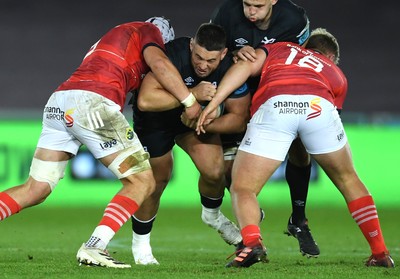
(130,162)
(218,112)
(211,116)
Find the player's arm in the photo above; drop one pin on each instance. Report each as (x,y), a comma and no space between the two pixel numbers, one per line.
(153,97)
(236,76)
(235,118)
(170,79)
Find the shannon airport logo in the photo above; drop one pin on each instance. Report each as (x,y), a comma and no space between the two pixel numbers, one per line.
(292,107)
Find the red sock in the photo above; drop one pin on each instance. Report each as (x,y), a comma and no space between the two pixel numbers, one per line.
(364,212)
(8,206)
(118,211)
(251,235)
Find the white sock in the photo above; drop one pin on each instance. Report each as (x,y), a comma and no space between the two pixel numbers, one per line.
(141,239)
(100,238)
(210,214)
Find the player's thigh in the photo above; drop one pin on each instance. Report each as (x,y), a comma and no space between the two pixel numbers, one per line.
(339,167)
(205,151)
(162,169)
(157,142)
(51,155)
(251,171)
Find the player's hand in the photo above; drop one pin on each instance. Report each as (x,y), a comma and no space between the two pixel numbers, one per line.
(206,117)
(209,118)
(246,53)
(193,112)
(191,123)
(204,91)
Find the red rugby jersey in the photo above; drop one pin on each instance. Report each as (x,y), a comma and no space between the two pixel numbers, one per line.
(115,65)
(292,69)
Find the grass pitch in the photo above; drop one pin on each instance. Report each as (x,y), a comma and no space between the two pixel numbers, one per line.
(42,242)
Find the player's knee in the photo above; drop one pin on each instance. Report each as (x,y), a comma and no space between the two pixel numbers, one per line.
(214,175)
(162,178)
(147,179)
(129,162)
(159,188)
(47,172)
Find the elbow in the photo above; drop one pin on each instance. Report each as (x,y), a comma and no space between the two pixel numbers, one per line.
(143,104)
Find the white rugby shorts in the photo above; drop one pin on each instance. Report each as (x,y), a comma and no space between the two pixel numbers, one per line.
(75,117)
(283,118)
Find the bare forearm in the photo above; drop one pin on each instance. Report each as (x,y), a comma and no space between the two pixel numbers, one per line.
(158,100)
(170,79)
(233,79)
(227,124)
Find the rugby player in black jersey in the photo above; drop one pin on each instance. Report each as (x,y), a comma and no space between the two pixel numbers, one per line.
(249,23)
(202,62)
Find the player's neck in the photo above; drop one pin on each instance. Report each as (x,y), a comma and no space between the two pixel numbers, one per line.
(264,24)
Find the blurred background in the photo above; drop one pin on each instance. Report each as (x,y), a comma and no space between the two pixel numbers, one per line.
(42,42)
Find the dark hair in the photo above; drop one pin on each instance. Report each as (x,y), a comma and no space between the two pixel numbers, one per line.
(324,42)
(211,36)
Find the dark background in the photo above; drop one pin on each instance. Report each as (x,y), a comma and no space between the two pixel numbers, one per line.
(43,41)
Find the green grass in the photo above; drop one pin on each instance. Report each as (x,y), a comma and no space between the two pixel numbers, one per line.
(42,242)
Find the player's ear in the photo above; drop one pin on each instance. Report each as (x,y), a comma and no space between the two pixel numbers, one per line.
(224,52)
(191,44)
(331,56)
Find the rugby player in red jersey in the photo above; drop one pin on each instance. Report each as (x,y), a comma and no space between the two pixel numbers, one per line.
(300,94)
(86,110)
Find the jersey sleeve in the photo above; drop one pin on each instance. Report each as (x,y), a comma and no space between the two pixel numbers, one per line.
(151,36)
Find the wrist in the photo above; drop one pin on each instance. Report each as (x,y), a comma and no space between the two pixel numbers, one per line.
(189,100)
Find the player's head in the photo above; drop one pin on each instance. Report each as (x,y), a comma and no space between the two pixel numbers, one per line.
(164,26)
(258,11)
(208,48)
(325,43)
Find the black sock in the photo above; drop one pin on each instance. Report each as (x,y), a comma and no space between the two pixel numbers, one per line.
(298,179)
(210,202)
(228,181)
(140,227)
